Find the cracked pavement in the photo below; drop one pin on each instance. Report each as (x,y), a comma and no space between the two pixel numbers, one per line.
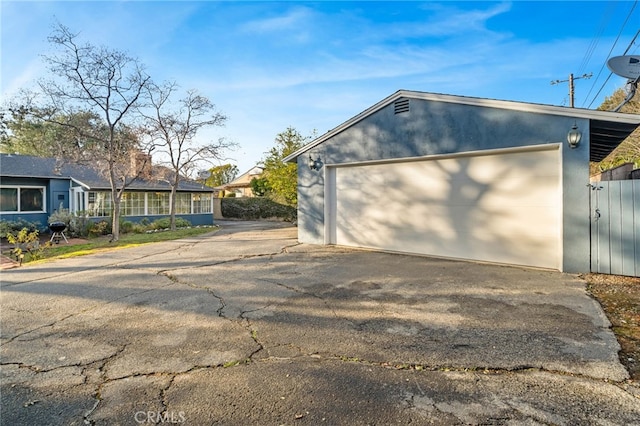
(246,326)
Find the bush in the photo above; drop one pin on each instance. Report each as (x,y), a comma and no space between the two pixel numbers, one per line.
(100,228)
(126,226)
(257,208)
(26,241)
(78,225)
(165,223)
(15,226)
(138,229)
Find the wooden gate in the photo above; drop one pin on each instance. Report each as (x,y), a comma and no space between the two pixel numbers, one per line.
(615,227)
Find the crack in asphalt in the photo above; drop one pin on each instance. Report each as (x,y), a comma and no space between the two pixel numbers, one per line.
(82,311)
(105,266)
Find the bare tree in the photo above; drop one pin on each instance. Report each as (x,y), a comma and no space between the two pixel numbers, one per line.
(172,128)
(109,84)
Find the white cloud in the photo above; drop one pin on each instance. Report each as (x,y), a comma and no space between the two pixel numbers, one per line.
(295,18)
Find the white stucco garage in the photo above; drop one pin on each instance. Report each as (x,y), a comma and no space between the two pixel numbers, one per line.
(457,177)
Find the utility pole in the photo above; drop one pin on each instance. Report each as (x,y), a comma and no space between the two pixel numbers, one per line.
(571,85)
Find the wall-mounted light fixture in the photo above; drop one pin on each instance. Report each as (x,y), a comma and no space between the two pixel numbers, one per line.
(315,164)
(574,136)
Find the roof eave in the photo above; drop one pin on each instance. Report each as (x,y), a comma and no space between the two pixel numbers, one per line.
(616,117)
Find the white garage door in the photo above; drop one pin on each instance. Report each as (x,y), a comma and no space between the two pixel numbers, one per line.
(503,207)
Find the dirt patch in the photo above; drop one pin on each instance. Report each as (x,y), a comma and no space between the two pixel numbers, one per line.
(620,299)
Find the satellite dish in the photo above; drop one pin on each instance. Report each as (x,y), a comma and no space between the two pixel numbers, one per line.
(625,66)
(204,174)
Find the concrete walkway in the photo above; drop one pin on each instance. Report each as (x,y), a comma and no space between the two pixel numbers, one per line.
(246,326)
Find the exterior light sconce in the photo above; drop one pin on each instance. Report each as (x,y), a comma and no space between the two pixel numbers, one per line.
(574,136)
(315,164)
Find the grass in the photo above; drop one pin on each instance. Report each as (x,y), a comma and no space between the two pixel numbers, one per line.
(620,300)
(97,244)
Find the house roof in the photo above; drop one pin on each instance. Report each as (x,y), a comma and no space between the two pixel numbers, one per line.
(607,129)
(244,180)
(28,166)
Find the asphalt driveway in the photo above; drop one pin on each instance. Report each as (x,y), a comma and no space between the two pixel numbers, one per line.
(246,326)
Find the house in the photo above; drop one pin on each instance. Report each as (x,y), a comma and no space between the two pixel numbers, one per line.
(32,188)
(241,186)
(458,177)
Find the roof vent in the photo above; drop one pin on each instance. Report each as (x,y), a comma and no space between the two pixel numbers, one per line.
(401,105)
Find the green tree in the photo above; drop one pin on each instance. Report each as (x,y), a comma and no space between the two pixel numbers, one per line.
(259,186)
(629,150)
(219,175)
(27,133)
(283,177)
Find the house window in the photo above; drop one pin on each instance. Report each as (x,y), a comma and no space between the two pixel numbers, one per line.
(183,203)
(202,203)
(22,199)
(132,204)
(99,203)
(158,203)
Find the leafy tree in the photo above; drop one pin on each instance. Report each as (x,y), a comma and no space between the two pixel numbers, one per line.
(629,150)
(104,84)
(29,134)
(259,186)
(221,175)
(172,128)
(283,177)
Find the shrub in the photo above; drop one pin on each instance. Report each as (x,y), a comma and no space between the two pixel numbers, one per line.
(138,229)
(100,228)
(165,223)
(78,225)
(26,241)
(14,226)
(257,208)
(61,215)
(126,226)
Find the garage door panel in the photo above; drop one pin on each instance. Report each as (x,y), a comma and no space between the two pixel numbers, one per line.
(501,208)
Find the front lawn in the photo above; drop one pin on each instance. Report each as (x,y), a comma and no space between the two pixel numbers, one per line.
(81,247)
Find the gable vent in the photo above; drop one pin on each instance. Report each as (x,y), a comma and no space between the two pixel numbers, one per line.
(401,105)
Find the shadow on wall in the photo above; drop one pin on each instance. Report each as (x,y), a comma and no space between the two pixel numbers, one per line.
(498,208)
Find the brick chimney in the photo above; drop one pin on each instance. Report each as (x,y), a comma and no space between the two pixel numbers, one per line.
(141,164)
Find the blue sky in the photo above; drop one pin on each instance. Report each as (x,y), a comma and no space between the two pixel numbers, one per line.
(313,65)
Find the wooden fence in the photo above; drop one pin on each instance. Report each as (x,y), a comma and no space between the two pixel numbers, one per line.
(615,227)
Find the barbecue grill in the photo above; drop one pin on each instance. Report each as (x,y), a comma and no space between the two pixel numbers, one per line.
(57,231)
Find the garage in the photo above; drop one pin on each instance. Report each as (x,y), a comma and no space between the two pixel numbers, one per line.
(458,177)
(489,206)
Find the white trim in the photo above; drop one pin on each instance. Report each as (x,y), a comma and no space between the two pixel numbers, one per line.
(476,153)
(330,207)
(19,199)
(82,184)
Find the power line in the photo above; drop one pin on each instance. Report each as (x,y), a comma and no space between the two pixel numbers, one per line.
(606,17)
(609,55)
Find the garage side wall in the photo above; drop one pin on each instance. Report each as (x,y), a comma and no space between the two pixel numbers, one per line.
(431,128)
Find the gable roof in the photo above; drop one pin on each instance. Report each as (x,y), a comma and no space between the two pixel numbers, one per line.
(29,166)
(607,129)
(244,180)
